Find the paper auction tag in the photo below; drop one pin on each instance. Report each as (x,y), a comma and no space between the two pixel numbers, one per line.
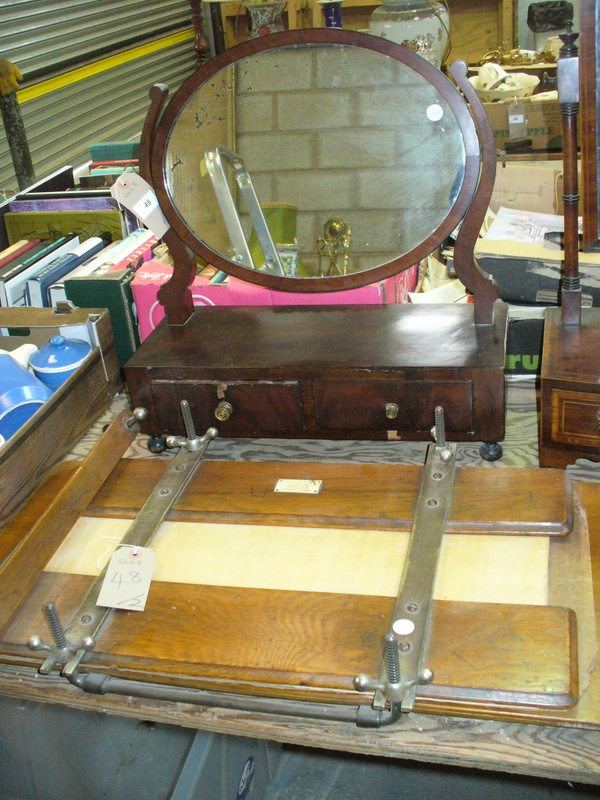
(517,120)
(128,577)
(134,193)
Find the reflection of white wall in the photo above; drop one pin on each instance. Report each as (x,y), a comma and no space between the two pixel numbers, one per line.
(526,38)
(349,136)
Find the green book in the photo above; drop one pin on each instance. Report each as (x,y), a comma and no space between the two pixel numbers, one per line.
(50,225)
(111,290)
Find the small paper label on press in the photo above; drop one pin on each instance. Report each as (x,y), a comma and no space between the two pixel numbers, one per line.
(298,486)
(128,578)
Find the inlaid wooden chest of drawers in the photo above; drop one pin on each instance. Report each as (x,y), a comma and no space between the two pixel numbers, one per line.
(570,390)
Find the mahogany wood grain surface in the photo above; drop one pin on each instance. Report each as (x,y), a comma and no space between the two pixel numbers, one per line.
(326,371)
(287,641)
(570,390)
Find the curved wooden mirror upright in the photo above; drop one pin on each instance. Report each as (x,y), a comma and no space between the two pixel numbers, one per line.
(336,124)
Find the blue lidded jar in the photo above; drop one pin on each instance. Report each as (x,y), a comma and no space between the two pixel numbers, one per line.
(56,361)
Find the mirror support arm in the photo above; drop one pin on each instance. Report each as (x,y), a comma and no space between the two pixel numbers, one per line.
(483,287)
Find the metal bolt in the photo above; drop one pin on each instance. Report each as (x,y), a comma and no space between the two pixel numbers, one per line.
(56,629)
(186,413)
(440,426)
(86,619)
(432,502)
(392,662)
(412,607)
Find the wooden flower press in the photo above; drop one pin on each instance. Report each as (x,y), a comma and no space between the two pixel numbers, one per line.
(271,597)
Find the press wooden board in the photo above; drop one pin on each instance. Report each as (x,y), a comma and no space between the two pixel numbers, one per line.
(299,643)
(352,495)
(488,569)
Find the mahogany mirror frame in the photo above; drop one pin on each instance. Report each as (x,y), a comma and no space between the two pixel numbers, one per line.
(469,207)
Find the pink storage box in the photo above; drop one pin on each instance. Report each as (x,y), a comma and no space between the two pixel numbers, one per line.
(151,275)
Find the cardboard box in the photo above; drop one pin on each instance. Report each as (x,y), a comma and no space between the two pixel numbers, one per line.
(544,123)
(150,277)
(529,186)
(63,419)
(234,292)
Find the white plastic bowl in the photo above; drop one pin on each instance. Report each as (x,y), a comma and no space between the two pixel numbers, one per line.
(517,84)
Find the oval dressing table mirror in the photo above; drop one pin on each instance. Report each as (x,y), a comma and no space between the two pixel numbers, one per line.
(310,162)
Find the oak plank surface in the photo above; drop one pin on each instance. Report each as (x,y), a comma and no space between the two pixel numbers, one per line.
(290,642)
(386,498)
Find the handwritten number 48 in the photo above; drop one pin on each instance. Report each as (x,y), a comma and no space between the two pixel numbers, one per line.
(119,578)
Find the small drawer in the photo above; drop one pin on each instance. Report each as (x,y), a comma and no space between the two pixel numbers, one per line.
(257,406)
(576,417)
(371,405)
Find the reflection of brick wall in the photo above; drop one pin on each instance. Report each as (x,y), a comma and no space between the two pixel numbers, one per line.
(339,135)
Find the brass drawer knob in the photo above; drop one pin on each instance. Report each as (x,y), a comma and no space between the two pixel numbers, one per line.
(223,411)
(391,410)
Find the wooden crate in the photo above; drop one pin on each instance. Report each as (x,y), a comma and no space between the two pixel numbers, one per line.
(63,419)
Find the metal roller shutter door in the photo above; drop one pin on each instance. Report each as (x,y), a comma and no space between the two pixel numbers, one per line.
(71,105)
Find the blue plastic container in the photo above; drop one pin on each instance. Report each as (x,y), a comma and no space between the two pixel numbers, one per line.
(21,395)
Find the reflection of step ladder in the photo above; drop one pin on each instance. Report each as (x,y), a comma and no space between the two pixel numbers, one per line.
(214,159)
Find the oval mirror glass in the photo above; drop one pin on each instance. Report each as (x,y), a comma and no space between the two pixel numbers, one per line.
(314,160)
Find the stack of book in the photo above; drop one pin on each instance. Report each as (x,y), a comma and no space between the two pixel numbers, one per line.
(94,273)
(113,158)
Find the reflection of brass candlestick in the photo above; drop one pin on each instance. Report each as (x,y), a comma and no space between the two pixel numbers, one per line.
(335,242)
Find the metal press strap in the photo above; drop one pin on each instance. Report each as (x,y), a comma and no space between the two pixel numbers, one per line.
(405,647)
(70,645)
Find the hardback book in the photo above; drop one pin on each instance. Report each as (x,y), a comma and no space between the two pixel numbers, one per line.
(68,202)
(111,290)
(47,225)
(56,292)
(113,170)
(143,252)
(124,162)
(15,250)
(38,285)
(21,263)
(13,284)
(118,251)
(114,151)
